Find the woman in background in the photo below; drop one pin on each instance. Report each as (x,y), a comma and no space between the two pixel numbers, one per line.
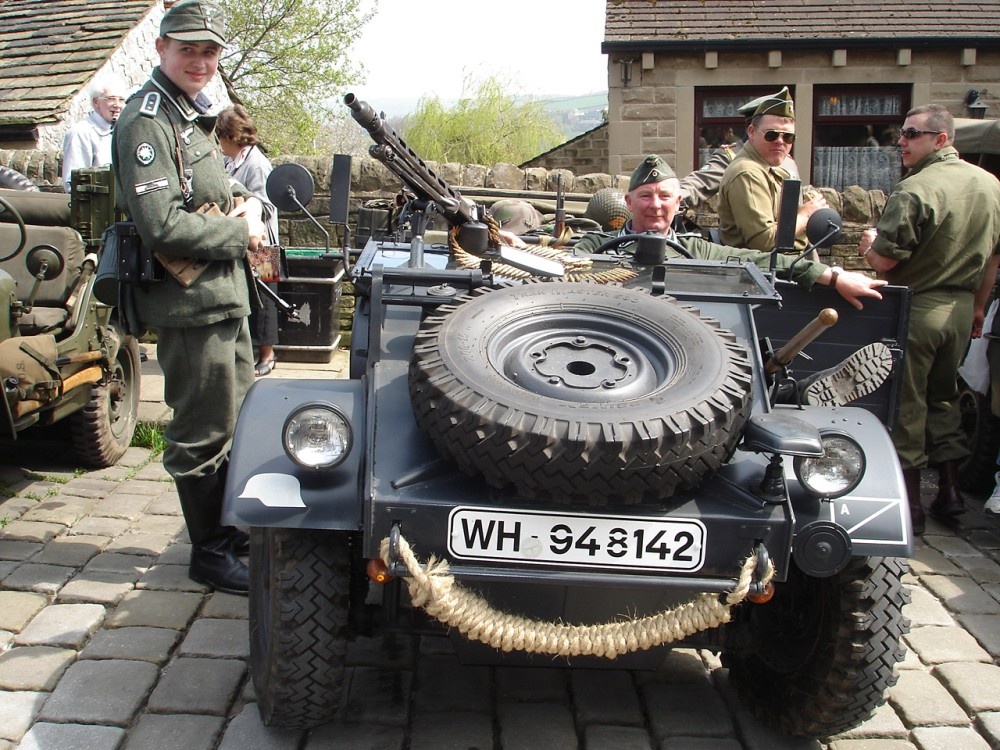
(247,163)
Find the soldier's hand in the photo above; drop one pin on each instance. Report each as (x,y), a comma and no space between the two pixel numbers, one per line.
(855,286)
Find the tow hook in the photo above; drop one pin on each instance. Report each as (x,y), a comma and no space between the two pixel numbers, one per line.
(761,589)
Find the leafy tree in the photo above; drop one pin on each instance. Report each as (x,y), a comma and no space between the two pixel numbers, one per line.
(489,127)
(287,61)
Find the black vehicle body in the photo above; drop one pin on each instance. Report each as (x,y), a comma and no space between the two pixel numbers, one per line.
(63,354)
(579,555)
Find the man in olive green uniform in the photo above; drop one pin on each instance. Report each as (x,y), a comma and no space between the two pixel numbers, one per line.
(203,340)
(750,192)
(939,230)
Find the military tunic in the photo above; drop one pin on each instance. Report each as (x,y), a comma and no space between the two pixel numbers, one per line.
(749,199)
(203,340)
(941,223)
(806,271)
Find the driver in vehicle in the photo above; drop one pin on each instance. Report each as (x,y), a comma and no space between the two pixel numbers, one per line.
(653,198)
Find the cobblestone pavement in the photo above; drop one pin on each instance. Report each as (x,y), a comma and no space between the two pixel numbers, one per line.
(105,643)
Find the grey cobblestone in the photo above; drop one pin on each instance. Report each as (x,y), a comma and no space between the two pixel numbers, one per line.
(977,686)
(962,595)
(217,638)
(455,730)
(18,710)
(71,550)
(137,643)
(165,609)
(44,736)
(198,686)
(176,732)
(101,588)
(46,579)
(100,692)
(935,645)
(69,625)
(923,701)
(34,667)
(528,726)
(18,607)
(949,738)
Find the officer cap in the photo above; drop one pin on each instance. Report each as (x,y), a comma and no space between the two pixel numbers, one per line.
(651,169)
(516,216)
(194,21)
(779,104)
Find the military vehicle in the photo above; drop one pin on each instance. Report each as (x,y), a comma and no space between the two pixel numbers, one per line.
(63,354)
(574,462)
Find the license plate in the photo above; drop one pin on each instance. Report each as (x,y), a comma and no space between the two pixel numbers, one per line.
(576,539)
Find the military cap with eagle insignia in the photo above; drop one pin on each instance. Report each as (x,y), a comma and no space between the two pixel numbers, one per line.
(651,169)
(194,21)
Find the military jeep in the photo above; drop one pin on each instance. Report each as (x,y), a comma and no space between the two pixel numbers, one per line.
(63,354)
(552,470)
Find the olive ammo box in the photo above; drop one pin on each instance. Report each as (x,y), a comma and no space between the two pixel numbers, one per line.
(92,203)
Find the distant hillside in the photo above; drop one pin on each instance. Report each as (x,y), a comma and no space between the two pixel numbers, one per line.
(577,114)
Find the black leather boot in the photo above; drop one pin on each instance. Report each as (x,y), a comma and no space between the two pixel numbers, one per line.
(948,503)
(911,477)
(215,564)
(239,540)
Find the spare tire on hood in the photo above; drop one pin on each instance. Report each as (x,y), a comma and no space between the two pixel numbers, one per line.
(580,392)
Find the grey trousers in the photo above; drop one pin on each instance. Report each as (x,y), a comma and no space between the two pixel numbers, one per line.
(206,374)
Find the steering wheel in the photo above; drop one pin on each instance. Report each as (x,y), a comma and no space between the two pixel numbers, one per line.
(4,203)
(615,242)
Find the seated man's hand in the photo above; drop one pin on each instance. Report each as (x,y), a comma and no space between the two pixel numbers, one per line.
(853,286)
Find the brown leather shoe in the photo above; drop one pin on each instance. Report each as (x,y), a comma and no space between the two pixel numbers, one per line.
(911,477)
(948,503)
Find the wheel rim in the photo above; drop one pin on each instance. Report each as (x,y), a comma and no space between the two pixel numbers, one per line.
(603,359)
(122,396)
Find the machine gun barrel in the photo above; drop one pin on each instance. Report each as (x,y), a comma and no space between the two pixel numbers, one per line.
(401,160)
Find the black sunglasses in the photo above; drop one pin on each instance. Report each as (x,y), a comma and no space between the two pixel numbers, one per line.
(772,135)
(911,133)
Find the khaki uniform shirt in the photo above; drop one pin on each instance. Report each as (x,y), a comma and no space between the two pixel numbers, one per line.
(806,271)
(148,190)
(749,199)
(942,223)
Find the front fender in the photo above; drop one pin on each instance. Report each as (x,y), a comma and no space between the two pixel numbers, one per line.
(264,487)
(876,514)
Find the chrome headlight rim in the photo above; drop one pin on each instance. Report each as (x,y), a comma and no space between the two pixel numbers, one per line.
(802,463)
(338,414)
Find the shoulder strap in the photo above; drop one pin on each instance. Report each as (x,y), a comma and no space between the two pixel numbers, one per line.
(184,172)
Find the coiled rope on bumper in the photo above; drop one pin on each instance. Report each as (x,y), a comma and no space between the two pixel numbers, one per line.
(434,589)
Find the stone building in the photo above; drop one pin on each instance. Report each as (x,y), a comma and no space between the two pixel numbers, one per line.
(678,70)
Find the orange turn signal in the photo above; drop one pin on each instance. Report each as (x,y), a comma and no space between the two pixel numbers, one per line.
(764,596)
(378,571)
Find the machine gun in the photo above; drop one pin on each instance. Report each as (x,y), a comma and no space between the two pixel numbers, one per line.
(434,193)
(400,159)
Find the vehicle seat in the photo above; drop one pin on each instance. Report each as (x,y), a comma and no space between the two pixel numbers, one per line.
(49,314)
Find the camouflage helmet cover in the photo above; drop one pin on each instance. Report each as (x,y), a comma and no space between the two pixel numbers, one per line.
(516,216)
(607,207)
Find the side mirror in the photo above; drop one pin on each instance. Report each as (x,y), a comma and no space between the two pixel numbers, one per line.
(824,228)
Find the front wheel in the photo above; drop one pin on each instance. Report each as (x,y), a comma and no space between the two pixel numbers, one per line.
(103,429)
(818,658)
(299,603)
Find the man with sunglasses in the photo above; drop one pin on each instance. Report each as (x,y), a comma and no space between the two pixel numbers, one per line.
(750,193)
(939,236)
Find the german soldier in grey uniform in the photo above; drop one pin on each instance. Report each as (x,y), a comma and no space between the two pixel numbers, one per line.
(168,169)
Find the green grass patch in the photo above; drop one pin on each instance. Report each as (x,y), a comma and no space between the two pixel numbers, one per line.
(149,435)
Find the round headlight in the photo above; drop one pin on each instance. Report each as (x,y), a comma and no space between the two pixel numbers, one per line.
(317,436)
(837,472)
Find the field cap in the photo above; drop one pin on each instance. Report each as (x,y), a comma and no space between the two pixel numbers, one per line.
(651,169)
(779,104)
(194,21)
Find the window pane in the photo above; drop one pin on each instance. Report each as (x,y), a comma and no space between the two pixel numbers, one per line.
(723,106)
(871,167)
(860,105)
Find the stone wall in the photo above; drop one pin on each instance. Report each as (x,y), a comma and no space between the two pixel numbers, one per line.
(588,152)
(370,180)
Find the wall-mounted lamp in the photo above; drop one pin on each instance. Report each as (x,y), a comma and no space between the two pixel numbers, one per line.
(976,106)
(626,64)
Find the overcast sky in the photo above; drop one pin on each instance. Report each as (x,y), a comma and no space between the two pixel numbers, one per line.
(413,48)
